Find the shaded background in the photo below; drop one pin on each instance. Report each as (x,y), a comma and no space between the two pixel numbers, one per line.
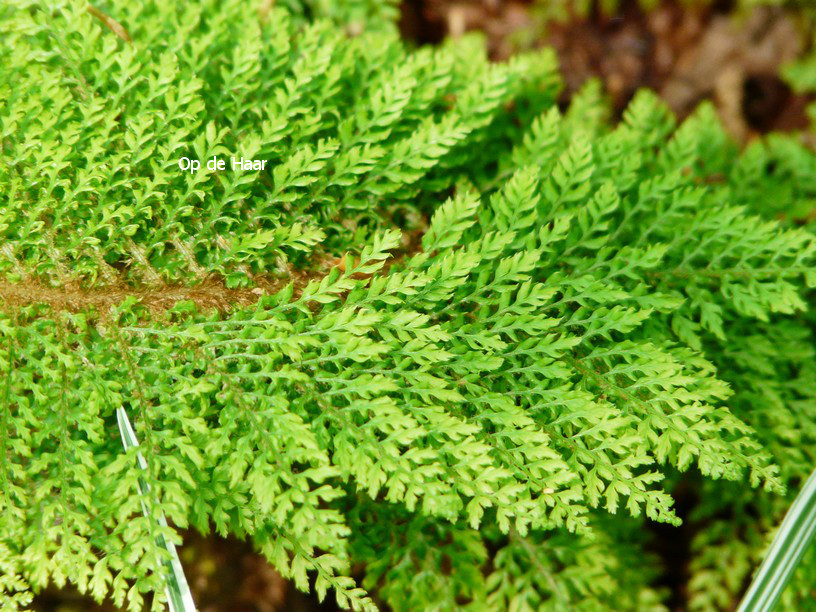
(729,51)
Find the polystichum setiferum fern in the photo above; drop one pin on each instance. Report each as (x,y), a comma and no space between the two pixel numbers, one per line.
(487,418)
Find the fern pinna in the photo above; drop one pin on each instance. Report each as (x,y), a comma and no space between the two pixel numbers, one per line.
(467,346)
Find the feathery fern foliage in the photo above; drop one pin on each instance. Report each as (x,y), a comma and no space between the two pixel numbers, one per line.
(485,416)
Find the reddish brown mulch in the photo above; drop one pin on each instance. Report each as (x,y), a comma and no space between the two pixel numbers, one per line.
(687,55)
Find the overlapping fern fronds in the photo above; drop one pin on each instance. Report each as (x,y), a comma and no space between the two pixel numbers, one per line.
(512,398)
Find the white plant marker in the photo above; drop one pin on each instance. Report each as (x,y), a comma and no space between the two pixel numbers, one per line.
(179,598)
(791,541)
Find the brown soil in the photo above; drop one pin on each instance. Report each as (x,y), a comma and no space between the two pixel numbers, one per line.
(687,55)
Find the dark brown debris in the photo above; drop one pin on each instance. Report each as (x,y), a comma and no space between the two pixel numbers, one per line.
(687,54)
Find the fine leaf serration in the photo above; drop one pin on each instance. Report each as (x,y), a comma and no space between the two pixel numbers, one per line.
(464,344)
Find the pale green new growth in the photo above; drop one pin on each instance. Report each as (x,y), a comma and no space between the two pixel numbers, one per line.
(482,417)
